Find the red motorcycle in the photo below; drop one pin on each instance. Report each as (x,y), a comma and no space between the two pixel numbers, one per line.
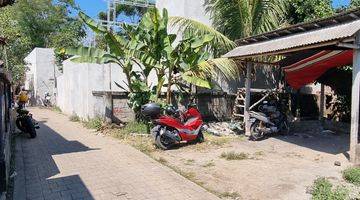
(174,127)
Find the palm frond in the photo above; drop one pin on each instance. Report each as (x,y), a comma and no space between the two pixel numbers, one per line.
(90,55)
(243,18)
(190,26)
(228,68)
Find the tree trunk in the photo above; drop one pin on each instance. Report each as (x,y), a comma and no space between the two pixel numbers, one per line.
(168,94)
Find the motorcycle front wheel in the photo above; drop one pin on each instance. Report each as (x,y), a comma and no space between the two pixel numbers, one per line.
(255,130)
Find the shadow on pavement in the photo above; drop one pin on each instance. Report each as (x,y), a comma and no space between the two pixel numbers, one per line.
(39,167)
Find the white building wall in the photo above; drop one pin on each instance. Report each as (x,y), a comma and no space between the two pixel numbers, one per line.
(192,9)
(40,78)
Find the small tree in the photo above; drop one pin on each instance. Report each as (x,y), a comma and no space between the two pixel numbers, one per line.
(151,47)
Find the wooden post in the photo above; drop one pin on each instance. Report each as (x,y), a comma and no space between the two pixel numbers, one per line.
(355,102)
(247,98)
(322,102)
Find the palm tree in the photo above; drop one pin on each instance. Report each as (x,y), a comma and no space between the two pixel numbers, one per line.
(242,18)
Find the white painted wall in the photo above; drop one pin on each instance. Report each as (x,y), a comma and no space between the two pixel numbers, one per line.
(75,87)
(40,78)
(78,82)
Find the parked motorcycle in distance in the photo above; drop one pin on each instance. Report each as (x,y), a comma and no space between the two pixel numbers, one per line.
(270,119)
(174,127)
(25,123)
(47,100)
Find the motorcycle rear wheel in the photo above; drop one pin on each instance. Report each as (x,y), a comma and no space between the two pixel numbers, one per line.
(26,126)
(161,141)
(256,134)
(200,137)
(284,128)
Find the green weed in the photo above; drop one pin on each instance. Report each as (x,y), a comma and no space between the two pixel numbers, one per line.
(57,109)
(94,123)
(352,175)
(322,189)
(234,156)
(209,164)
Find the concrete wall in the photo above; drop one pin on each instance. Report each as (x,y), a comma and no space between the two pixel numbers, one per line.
(75,87)
(79,81)
(41,74)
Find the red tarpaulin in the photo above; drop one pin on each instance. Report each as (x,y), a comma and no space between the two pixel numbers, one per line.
(309,69)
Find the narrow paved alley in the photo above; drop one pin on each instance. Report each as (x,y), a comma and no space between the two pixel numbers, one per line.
(67,161)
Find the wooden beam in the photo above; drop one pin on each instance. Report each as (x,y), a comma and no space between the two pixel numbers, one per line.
(301,28)
(322,102)
(247,98)
(355,95)
(257,62)
(258,102)
(347,45)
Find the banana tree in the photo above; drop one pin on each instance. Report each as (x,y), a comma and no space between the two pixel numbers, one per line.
(187,57)
(124,51)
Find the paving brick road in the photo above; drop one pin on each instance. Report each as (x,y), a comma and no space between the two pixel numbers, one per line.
(67,161)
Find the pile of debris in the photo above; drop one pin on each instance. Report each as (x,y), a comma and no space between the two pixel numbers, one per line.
(223,128)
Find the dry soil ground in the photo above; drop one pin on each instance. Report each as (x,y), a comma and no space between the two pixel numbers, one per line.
(280,167)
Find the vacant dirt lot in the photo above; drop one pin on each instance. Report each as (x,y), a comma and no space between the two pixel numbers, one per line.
(280,167)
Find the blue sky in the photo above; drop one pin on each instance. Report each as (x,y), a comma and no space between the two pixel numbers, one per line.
(93,7)
(338,3)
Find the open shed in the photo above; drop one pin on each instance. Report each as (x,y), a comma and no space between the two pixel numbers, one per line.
(309,50)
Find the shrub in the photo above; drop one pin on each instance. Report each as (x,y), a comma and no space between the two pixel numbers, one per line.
(234,156)
(323,189)
(352,175)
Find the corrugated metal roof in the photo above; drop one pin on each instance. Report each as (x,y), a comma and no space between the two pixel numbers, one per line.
(332,33)
(340,18)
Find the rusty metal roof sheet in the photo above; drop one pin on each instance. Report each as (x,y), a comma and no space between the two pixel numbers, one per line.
(272,46)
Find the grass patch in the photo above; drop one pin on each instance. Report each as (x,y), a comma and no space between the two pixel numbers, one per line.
(259,153)
(162,160)
(352,175)
(322,189)
(94,123)
(74,118)
(134,127)
(209,164)
(234,155)
(189,162)
(57,109)
(128,135)
(231,195)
